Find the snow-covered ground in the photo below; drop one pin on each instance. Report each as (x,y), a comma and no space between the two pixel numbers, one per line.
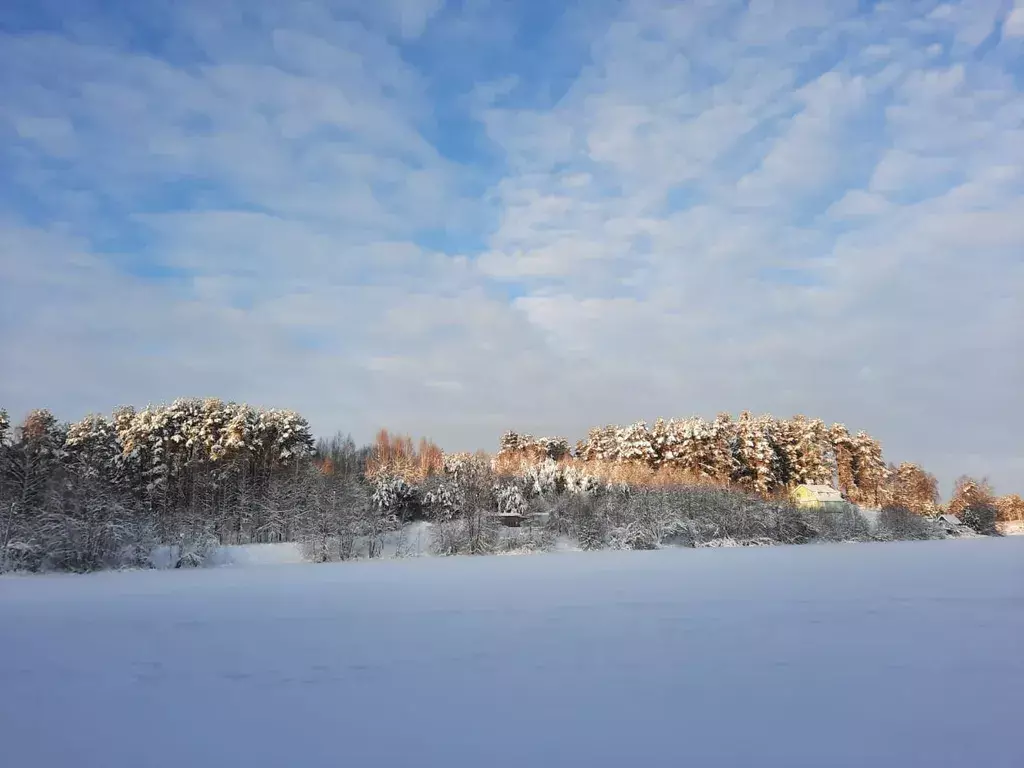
(875,655)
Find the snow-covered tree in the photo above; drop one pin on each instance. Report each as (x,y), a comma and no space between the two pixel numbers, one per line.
(754,453)
(510,500)
(1010,507)
(578,482)
(869,469)
(909,487)
(392,494)
(974,502)
(445,498)
(545,479)
(513,442)
(5,428)
(703,449)
(601,444)
(92,446)
(554,448)
(805,452)
(843,450)
(970,492)
(29,465)
(633,444)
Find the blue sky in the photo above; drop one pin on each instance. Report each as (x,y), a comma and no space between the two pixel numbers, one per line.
(455,218)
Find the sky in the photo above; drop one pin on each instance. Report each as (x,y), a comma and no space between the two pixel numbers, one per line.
(454,218)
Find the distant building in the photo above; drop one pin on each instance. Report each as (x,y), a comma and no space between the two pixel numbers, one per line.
(817,497)
(952,524)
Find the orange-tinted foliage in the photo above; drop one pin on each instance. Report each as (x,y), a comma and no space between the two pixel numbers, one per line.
(969,492)
(396,454)
(1011,508)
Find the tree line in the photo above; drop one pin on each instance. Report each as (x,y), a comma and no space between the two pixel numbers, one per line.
(759,454)
(197,473)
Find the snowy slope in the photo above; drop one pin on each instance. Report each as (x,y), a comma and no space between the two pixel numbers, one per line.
(848,655)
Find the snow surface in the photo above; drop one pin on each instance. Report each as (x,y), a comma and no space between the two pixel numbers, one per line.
(822,655)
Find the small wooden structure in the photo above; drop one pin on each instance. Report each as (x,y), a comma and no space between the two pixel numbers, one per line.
(952,524)
(823,497)
(515,520)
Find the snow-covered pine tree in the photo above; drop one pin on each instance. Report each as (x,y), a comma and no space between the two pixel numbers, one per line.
(908,486)
(819,459)
(512,442)
(1010,508)
(510,500)
(719,446)
(601,444)
(5,428)
(554,448)
(659,441)
(92,446)
(578,482)
(869,469)
(671,442)
(545,479)
(754,454)
(689,438)
(806,452)
(970,492)
(633,444)
(843,450)
(284,435)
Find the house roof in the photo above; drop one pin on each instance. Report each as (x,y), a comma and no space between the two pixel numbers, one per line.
(822,492)
(951,519)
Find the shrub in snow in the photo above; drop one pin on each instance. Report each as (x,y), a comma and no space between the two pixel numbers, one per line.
(510,500)
(844,524)
(525,540)
(693,516)
(545,478)
(195,548)
(897,523)
(339,521)
(577,481)
(444,497)
(585,519)
(473,534)
(981,517)
(392,494)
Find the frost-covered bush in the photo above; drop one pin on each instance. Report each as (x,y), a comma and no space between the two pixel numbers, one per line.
(524,540)
(472,534)
(843,524)
(585,519)
(899,523)
(195,548)
(698,515)
(339,520)
(545,478)
(981,517)
(577,481)
(640,524)
(393,495)
(444,497)
(510,500)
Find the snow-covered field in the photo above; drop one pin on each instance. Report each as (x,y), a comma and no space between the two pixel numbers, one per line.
(908,654)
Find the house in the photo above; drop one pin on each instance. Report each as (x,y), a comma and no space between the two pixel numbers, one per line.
(952,524)
(823,497)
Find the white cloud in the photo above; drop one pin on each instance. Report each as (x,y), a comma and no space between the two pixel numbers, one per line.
(787,207)
(1013,26)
